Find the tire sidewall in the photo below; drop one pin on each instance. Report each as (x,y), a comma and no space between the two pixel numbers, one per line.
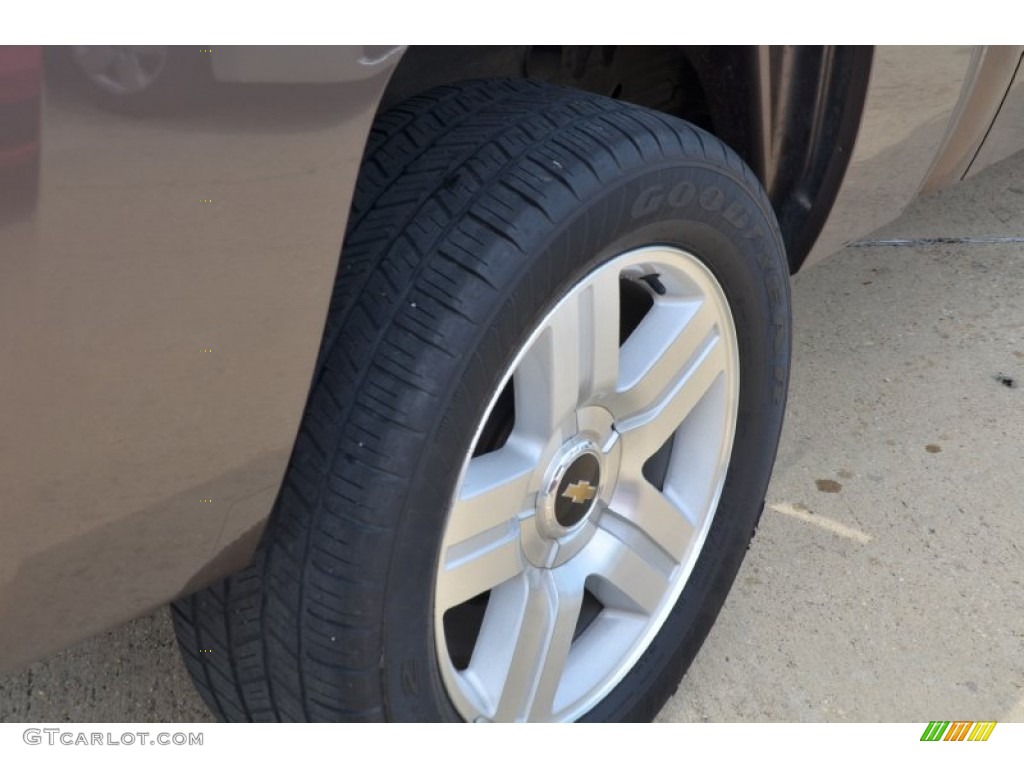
(712,212)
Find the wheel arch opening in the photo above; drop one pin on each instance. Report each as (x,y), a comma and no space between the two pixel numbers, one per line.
(791,112)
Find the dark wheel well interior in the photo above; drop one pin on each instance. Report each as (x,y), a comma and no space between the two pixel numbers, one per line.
(792,112)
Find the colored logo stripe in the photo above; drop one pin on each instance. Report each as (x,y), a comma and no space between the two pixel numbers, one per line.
(959,730)
(981,731)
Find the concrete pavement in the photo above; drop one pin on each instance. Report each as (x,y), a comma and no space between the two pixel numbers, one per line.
(885,581)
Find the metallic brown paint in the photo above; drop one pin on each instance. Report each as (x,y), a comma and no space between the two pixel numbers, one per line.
(116,425)
(917,132)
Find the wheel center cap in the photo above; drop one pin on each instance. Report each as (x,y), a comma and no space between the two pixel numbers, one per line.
(571,489)
(577,491)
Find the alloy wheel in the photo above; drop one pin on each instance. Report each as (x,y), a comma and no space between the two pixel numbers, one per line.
(569,542)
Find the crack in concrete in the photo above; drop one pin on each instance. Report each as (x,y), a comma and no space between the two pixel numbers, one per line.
(912,241)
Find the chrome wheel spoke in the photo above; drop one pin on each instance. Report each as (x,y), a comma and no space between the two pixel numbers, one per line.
(648,513)
(599,339)
(645,432)
(481,543)
(637,584)
(658,350)
(574,359)
(545,607)
(495,490)
(482,569)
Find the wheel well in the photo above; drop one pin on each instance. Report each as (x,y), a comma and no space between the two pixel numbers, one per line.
(792,112)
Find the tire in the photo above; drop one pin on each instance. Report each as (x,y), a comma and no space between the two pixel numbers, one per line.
(141,79)
(561,323)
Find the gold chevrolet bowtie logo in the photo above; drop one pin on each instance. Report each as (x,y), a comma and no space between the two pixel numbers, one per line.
(580,492)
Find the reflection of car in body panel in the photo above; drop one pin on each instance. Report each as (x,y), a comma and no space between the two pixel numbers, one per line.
(161,317)
(19,129)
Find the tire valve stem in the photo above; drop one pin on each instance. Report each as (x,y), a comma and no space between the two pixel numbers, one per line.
(654,281)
